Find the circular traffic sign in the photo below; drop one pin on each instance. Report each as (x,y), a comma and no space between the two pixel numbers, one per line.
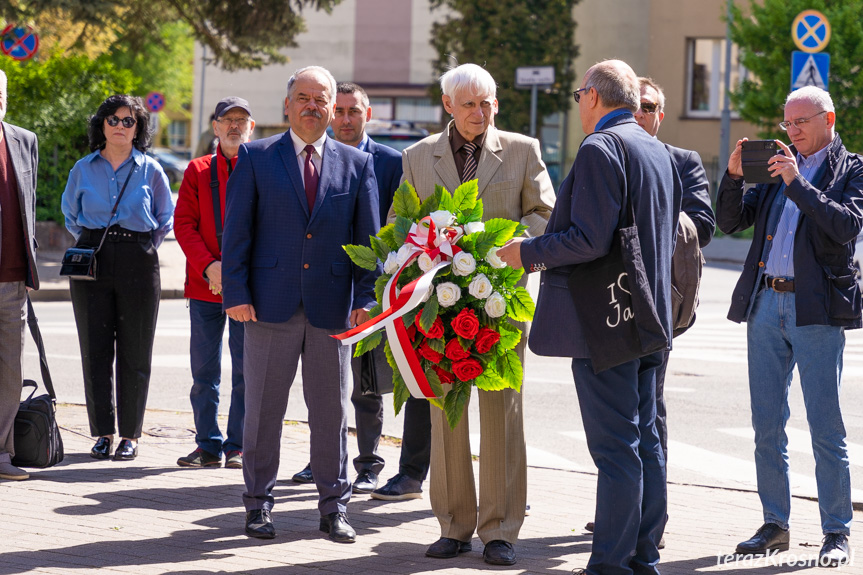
(19,42)
(811,31)
(155,101)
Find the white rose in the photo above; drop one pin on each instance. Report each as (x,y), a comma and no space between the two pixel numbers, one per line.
(441,219)
(480,287)
(426,263)
(404,253)
(473,227)
(494,260)
(463,264)
(448,293)
(495,305)
(391,265)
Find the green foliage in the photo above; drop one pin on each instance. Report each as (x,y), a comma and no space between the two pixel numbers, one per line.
(380,285)
(509,276)
(445,201)
(484,241)
(764,38)
(509,335)
(437,345)
(362,256)
(490,380)
(474,214)
(506,34)
(434,382)
(464,197)
(368,343)
(380,247)
(510,369)
(54,96)
(455,401)
(406,202)
(502,229)
(520,306)
(430,312)
(430,204)
(402,229)
(387,234)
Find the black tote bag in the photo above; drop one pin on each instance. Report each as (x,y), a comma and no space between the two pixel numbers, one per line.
(613,299)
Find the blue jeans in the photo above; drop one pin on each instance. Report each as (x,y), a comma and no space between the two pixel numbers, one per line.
(775,344)
(205,348)
(618,409)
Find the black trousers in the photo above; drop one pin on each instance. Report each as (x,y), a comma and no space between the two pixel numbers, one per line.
(117,312)
(416,439)
(661,411)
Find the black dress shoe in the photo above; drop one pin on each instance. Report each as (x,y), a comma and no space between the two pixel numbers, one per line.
(336,524)
(446,548)
(304,476)
(126,451)
(102,449)
(499,552)
(259,524)
(366,482)
(834,552)
(769,537)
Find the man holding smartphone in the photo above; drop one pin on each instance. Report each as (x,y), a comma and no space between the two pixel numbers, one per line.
(798,293)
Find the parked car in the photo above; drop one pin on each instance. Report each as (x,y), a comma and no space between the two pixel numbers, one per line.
(173,164)
(395,134)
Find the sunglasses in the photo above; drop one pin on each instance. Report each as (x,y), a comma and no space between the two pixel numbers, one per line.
(128,121)
(649,107)
(577,93)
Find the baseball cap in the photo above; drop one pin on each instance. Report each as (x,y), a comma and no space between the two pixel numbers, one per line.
(229,104)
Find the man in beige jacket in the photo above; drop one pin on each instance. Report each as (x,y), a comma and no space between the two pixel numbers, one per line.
(513,184)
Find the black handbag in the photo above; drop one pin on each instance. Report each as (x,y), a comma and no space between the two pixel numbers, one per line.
(80,263)
(36,435)
(613,299)
(376,375)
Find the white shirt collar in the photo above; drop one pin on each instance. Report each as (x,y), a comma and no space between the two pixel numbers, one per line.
(299,144)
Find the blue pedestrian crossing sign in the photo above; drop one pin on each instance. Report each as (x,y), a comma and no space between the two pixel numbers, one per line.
(809,70)
(811,31)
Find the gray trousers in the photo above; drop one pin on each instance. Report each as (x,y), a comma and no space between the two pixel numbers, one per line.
(271,354)
(13,316)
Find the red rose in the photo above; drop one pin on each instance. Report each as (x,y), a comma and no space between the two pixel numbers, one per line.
(436,331)
(485,339)
(412,332)
(465,324)
(467,369)
(428,353)
(455,351)
(443,375)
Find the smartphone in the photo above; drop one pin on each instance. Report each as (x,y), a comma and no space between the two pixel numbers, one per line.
(754,157)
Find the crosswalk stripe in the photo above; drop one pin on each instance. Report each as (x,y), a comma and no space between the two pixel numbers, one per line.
(799,441)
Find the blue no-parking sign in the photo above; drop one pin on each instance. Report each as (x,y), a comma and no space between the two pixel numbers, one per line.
(155,101)
(811,31)
(19,42)
(809,70)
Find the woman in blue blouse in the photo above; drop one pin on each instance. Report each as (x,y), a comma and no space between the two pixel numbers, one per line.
(119,309)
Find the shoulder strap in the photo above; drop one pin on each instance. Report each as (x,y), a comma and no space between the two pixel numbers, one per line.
(217,201)
(33,324)
(627,210)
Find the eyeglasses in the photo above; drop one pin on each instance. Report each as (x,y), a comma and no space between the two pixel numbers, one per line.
(798,123)
(577,95)
(240,122)
(128,121)
(649,107)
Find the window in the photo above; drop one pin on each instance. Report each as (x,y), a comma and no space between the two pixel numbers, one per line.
(178,134)
(705,86)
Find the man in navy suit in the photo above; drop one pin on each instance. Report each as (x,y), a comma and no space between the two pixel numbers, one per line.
(293,201)
(618,405)
(352,111)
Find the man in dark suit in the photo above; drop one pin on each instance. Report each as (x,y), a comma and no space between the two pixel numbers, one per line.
(352,111)
(618,405)
(19,159)
(293,201)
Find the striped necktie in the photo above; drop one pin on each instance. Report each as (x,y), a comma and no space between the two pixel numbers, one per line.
(469,172)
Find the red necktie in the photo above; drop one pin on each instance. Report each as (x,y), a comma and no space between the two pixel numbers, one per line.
(310,178)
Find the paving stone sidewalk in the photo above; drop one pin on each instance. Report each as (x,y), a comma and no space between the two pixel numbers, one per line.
(150,516)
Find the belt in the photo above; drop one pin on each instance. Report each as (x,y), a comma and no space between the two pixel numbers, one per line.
(116,234)
(779,284)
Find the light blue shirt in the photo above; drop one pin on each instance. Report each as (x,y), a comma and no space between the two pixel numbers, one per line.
(93,188)
(780,262)
(364,143)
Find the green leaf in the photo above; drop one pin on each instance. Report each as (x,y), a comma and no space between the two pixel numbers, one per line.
(446,202)
(411,316)
(519,230)
(376,311)
(510,370)
(380,286)
(464,196)
(509,276)
(430,204)
(436,402)
(387,234)
(455,402)
(502,229)
(380,247)
(490,380)
(520,306)
(362,256)
(509,335)
(402,228)
(406,203)
(400,392)
(368,343)
(484,241)
(430,312)
(468,244)
(434,382)
(436,344)
(474,214)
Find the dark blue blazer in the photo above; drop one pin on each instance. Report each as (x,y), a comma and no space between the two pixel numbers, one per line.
(695,202)
(583,223)
(388,172)
(274,256)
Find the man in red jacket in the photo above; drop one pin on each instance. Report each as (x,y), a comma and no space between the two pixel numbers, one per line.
(198,220)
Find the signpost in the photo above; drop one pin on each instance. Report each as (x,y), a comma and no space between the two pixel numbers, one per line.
(810,67)
(155,101)
(534,77)
(18,42)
